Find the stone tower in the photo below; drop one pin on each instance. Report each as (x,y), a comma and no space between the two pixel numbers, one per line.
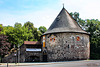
(65,40)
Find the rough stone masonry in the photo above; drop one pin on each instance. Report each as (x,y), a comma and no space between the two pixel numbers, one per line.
(65,40)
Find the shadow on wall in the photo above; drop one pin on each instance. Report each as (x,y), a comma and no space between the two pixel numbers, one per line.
(32,59)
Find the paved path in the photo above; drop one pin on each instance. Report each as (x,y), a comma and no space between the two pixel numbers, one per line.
(85,63)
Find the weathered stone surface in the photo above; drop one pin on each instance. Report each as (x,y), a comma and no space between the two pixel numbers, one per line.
(67,47)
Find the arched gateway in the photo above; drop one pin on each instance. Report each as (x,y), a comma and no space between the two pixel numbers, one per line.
(65,39)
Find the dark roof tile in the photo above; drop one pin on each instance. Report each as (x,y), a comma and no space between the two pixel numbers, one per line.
(64,23)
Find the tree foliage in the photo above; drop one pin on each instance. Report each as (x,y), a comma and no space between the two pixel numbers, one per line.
(4,45)
(42,29)
(34,33)
(18,34)
(93,26)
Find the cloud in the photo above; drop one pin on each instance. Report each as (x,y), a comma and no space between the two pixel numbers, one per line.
(44,16)
(41,13)
(88,9)
(91,10)
(39,18)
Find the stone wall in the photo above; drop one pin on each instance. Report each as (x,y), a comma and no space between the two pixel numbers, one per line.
(10,59)
(67,46)
(22,56)
(36,56)
(25,55)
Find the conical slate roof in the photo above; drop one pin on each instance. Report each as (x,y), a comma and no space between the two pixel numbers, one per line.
(64,23)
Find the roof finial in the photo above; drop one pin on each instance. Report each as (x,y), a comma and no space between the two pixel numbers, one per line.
(63,5)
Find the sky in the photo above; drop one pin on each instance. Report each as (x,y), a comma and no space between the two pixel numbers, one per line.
(43,12)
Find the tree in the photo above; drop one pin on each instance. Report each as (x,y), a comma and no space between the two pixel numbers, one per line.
(14,34)
(42,29)
(29,25)
(21,34)
(1,27)
(93,26)
(4,45)
(18,34)
(35,34)
(75,16)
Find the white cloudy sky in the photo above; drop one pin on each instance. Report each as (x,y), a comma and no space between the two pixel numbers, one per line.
(43,12)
